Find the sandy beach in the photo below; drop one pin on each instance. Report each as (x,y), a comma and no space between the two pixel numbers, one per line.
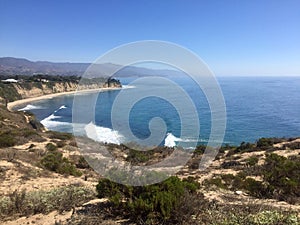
(12,105)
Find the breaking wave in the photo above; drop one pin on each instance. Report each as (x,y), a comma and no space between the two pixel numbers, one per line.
(30,107)
(128,86)
(103,134)
(171,140)
(50,122)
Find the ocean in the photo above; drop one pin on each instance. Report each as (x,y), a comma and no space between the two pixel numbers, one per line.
(255,107)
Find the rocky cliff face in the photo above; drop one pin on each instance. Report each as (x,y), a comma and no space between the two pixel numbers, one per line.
(33,90)
(15,91)
(39,89)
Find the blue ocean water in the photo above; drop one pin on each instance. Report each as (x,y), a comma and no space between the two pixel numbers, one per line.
(256,107)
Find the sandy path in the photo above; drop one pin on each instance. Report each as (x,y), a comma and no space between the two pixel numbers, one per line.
(12,105)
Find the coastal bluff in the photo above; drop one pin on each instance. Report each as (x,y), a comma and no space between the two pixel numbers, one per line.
(10,92)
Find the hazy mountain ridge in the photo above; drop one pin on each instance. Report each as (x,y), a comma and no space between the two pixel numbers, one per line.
(21,66)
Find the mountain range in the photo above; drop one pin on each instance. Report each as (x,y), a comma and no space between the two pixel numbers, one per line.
(21,66)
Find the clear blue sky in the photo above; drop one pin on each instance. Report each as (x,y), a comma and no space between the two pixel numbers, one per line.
(251,37)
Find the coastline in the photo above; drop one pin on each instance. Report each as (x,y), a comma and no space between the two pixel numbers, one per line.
(12,105)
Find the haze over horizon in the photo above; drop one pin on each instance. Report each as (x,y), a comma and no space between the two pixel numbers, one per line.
(233,38)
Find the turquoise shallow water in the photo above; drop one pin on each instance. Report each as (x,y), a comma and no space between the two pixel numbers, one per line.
(256,107)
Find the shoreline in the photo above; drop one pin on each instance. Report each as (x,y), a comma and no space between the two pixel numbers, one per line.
(12,105)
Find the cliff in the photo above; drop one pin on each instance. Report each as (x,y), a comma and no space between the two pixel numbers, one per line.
(30,90)
(15,91)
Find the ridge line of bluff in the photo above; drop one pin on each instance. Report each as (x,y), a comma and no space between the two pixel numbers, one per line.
(15,91)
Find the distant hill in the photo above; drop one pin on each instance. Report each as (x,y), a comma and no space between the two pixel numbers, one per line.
(19,66)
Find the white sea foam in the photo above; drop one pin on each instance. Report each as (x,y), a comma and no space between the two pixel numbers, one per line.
(49,122)
(170,140)
(103,134)
(97,133)
(128,86)
(62,107)
(30,107)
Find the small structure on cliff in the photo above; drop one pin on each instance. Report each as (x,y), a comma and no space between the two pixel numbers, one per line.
(8,81)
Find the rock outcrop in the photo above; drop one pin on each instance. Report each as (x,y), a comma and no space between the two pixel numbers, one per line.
(22,90)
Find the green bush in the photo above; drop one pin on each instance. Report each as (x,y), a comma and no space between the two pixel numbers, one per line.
(228,179)
(265,142)
(281,179)
(54,161)
(79,161)
(7,139)
(245,147)
(283,175)
(28,132)
(256,188)
(51,147)
(252,161)
(60,144)
(148,203)
(216,181)
(292,146)
(135,156)
(60,135)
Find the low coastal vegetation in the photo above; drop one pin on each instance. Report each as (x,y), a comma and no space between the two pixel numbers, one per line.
(152,203)
(54,161)
(42,171)
(23,203)
(279,179)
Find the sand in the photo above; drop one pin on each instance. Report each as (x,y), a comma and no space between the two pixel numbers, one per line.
(12,105)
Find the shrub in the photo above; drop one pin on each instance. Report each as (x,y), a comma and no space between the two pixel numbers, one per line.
(281,178)
(216,181)
(200,149)
(24,203)
(230,164)
(240,182)
(190,205)
(54,161)
(265,142)
(228,178)
(82,163)
(60,144)
(135,156)
(7,139)
(292,146)
(60,135)
(147,203)
(272,217)
(51,147)
(28,132)
(251,161)
(256,188)
(261,217)
(283,175)
(245,147)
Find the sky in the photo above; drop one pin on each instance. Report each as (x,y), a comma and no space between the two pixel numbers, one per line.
(233,37)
